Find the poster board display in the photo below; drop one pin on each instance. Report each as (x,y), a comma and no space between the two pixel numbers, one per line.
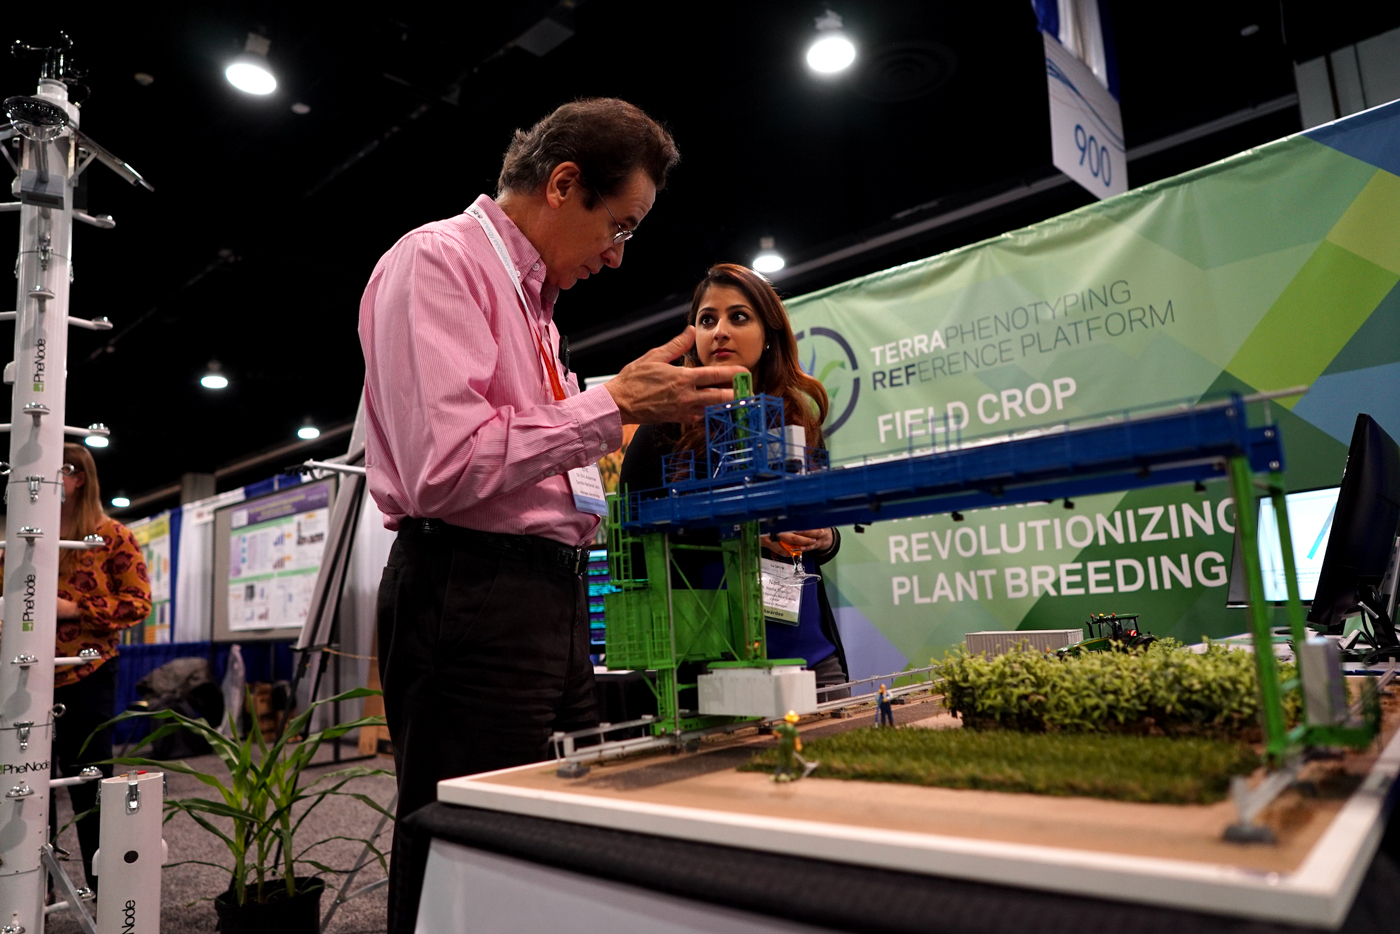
(267,553)
(154,536)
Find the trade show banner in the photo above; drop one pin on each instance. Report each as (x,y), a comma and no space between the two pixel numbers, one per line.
(1274,268)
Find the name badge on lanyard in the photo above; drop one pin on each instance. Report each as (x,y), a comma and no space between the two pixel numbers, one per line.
(586,483)
(782,592)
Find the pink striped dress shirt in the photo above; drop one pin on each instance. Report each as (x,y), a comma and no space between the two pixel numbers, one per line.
(462,424)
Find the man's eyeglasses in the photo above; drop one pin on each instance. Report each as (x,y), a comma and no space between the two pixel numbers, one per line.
(623,234)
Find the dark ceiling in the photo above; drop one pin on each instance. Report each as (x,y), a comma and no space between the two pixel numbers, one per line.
(266,223)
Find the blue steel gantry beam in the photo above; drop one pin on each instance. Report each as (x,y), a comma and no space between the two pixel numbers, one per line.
(1076,460)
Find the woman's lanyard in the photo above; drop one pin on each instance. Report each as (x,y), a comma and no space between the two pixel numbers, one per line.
(491,234)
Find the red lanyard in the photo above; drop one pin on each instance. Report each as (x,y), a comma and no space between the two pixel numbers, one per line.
(554,383)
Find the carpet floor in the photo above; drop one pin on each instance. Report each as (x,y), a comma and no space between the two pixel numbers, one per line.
(187,890)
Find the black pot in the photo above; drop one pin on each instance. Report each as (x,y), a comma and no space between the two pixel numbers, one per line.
(299,914)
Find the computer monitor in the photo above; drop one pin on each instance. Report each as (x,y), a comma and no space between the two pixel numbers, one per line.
(1310,518)
(1361,547)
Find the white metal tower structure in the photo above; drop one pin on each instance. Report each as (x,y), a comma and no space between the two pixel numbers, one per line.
(52,154)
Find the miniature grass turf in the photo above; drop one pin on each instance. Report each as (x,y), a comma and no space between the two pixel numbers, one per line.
(1126,768)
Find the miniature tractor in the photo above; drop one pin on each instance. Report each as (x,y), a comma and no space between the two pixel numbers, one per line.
(1110,632)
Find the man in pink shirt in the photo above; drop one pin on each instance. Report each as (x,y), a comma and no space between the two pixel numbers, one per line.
(480,446)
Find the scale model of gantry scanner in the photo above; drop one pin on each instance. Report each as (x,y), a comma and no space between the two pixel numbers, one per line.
(750,478)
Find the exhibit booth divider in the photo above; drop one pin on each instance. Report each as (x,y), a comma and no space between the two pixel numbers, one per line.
(195,613)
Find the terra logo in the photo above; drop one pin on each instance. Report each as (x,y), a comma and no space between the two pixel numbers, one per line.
(825,354)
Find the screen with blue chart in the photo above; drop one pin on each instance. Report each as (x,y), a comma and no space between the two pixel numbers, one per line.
(1309,521)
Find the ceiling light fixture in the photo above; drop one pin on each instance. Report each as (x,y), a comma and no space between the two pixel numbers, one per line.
(120,502)
(308,431)
(768,259)
(213,377)
(250,72)
(832,51)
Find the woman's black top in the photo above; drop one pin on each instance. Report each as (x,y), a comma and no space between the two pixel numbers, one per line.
(641,472)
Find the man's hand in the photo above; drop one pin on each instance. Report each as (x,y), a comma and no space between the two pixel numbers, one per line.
(649,390)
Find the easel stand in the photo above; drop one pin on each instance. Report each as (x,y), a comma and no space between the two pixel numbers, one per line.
(320,632)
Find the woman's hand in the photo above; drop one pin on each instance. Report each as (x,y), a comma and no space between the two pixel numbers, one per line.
(810,540)
(67,609)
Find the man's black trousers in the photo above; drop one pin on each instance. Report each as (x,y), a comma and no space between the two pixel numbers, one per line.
(483,652)
(88,703)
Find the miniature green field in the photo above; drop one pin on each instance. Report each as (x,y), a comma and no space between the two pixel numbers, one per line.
(1125,768)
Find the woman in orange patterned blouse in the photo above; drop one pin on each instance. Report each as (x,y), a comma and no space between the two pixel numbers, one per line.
(100,593)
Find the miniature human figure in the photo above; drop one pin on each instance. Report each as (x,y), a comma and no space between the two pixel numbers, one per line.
(789,749)
(884,710)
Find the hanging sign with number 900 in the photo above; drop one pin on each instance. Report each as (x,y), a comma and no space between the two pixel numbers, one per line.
(1093,155)
(1086,125)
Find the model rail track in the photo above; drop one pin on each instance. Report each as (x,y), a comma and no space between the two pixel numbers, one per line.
(569,754)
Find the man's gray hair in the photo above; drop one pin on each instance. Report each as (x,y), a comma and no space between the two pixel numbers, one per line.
(608,138)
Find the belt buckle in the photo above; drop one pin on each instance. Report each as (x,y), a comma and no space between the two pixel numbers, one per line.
(579,559)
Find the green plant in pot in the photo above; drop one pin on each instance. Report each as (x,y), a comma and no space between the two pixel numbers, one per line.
(267,802)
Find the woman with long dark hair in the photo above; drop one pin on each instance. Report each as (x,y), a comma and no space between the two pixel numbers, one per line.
(740,320)
(101,591)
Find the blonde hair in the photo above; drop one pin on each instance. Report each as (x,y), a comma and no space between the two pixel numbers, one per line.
(87,513)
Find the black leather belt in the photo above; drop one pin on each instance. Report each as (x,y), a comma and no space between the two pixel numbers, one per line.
(532,548)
